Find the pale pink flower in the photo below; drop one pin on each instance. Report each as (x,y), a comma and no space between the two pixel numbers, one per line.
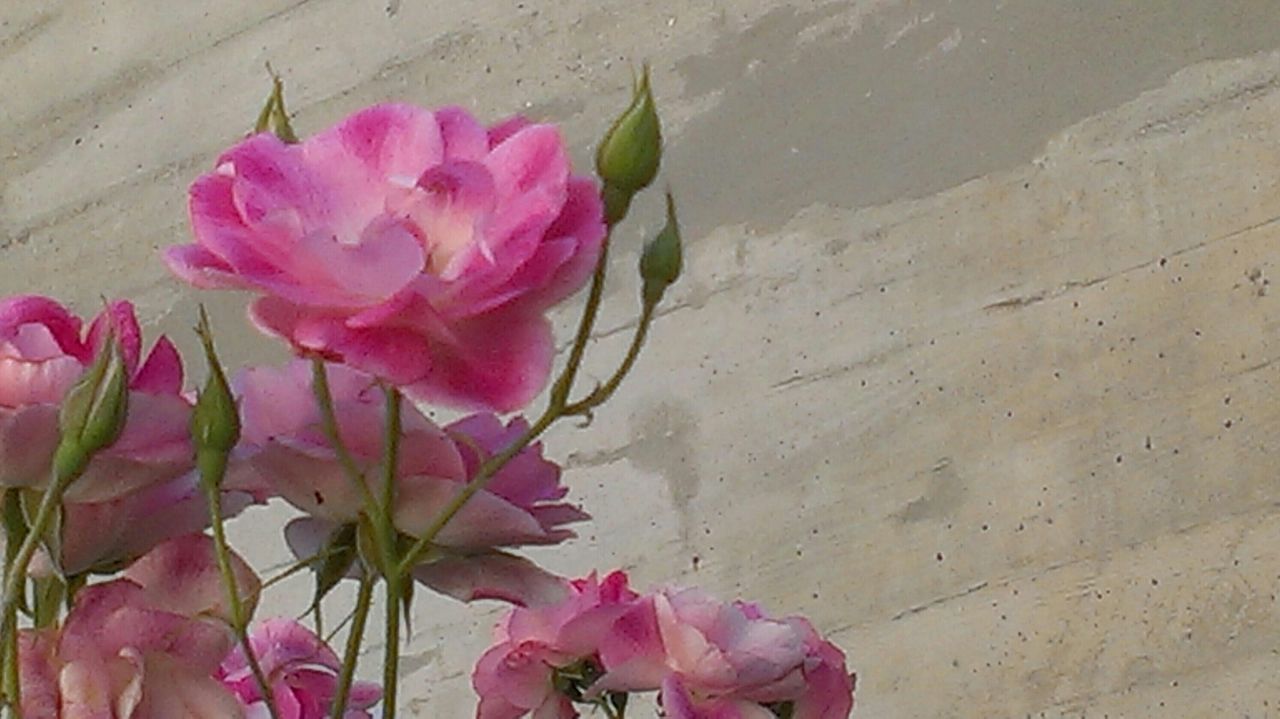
(43,351)
(521,506)
(516,677)
(418,246)
(709,659)
(724,657)
(144,646)
(302,671)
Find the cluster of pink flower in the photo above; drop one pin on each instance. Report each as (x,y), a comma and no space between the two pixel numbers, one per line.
(711,660)
(402,252)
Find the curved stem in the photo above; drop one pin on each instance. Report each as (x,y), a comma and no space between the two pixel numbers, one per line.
(602,393)
(352,654)
(564,383)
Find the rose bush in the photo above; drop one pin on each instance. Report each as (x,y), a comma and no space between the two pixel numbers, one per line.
(415,245)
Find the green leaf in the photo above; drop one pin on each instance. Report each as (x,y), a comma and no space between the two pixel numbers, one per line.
(334,562)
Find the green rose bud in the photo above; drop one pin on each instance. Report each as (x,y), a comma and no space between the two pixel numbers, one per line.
(661,260)
(629,156)
(274,117)
(93,412)
(215,421)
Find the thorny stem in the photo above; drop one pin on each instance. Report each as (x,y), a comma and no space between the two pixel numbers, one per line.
(601,394)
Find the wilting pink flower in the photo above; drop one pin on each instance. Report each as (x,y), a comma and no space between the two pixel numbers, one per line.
(302,671)
(521,506)
(418,246)
(516,677)
(144,646)
(43,351)
(709,659)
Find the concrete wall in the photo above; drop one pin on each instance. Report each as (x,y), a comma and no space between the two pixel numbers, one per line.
(975,358)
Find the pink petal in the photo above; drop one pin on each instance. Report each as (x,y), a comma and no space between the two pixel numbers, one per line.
(387,141)
(161,373)
(20,310)
(201,268)
(464,138)
(483,522)
(28,437)
(119,319)
(498,576)
(24,382)
(182,576)
(499,361)
(155,445)
(38,673)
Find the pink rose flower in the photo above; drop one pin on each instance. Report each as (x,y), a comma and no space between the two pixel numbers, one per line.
(517,676)
(144,646)
(302,671)
(521,506)
(720,658)
(43,351)
(415,245)
(709,659)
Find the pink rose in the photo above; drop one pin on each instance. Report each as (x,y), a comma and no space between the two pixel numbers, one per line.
(709,659)
(418,246)
(521,506)
(302,671)
(43,351)
(144,646)
(517,676)
(722,658)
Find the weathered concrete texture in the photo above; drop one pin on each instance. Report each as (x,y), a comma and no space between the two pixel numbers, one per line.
(975,360)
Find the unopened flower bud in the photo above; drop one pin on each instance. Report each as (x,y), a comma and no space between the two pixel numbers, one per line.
(661,260)
(629,156)
(215,421)
(93,412)
(274,117)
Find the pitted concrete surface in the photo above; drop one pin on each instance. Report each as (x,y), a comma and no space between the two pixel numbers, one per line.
(975,359)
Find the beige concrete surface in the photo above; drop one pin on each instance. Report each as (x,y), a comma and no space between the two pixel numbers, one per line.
(975,359)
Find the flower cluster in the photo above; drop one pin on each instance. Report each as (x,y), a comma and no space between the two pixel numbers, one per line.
(406,256)
(708,659)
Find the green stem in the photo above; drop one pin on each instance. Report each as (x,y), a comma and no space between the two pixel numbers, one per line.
(213,466)
(391,659)
(395,577)
(329,425)
(12,683)
(602,393)
(352,654)
(564,383)
(16,577)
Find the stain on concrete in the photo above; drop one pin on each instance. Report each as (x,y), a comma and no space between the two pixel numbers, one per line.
(923,96)
(943,493)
